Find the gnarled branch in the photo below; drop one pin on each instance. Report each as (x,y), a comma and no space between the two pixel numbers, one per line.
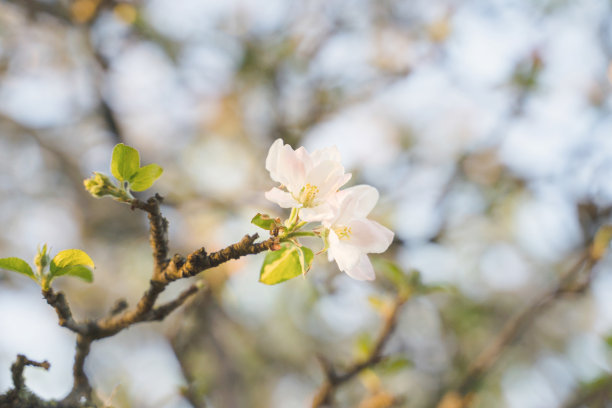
(165,271)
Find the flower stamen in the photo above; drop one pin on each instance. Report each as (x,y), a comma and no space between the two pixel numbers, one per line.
(307,196)
(343,232)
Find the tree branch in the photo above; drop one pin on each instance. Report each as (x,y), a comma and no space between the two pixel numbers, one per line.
(158,232)
(160,312)
(164,272)
(20,396)
(35,8)
(81,386)
(597,395)
(199,260)
(64,314)
(512,330)
(333,380)
(18,367)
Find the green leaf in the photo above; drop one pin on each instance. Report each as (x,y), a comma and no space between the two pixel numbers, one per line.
(286,263)
(394,273)
(263,221)
(394,364)
(145,177)
(601,242)
(414,278)
(406,284)
(80,271)
(364,345)
(379,304)
(306,257)
(17,265)
(125,162)
(41,260)
(67,259)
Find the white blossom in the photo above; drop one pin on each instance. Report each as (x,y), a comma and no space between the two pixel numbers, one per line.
(308,180)
(351,236)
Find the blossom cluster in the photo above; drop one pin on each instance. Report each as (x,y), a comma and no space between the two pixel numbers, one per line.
(310,185)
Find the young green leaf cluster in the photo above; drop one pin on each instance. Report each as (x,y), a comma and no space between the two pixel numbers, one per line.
(70,262)
(125,167)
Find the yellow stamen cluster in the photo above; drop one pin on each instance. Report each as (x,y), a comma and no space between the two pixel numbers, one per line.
(343,232)
(308,193)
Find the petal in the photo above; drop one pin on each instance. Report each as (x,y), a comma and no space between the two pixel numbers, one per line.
(363,270)
(318,213)
(285,166)
(345,178)
(334,200)
(290,169)
(328,176)
(332,239)
(346,256)
(272,159)
(282,198)
(369,236)
(302,154)
(357,201)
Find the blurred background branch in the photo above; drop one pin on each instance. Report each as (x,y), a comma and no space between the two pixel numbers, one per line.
(484,125)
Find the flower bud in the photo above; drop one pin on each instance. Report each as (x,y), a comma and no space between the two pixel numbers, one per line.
(99,185)
(42,258)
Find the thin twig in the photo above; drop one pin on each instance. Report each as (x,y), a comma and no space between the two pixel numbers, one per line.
(333,380)
(597,395)
(64,314)
(81,386)
(512,330)
(158,235)
(35,8)
(160,312)
(20,396)
(18,367)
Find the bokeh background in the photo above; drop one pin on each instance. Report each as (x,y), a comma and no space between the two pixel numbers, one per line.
(484,124)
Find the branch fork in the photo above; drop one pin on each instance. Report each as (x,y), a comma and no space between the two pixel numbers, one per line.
(164,272)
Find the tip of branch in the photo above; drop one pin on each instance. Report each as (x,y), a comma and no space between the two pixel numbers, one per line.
(118,307)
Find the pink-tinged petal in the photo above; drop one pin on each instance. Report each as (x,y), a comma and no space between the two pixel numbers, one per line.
(363,270)
(291,169)
(272,159)
(358,201)
(282,198)
(326,176)
(344,179)
(285,166)
(318,213)
(369,236)
(302,154)
(332,242)
(334,200)
(346,256)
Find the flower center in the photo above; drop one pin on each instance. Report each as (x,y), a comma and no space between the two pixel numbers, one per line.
(343,232)
(307,196)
